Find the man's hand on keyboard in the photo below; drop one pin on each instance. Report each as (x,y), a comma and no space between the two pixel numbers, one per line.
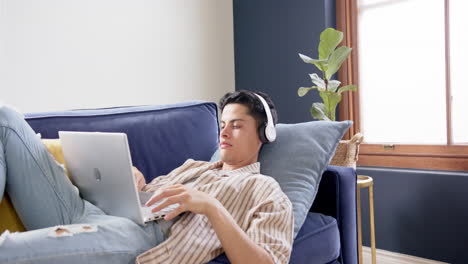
(189,199)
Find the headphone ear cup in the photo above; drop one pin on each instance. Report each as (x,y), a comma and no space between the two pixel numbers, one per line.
(262,135)
(266,131)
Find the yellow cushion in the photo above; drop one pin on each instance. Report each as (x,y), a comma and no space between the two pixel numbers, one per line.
(9,219)
(55,148)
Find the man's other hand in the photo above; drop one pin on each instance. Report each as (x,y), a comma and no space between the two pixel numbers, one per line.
(139,178)
(189,199)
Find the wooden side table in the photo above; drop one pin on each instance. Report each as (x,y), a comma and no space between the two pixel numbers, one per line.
(366,182)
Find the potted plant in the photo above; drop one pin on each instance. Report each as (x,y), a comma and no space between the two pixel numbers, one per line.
(329,62)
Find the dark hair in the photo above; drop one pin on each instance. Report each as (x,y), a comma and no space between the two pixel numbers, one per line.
(252,102)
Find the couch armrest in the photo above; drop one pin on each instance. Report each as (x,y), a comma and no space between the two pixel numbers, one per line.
(336,197)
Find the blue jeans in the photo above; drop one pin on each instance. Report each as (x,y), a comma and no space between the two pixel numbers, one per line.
(44,198)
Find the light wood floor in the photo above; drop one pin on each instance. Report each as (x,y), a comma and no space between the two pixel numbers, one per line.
(387,257)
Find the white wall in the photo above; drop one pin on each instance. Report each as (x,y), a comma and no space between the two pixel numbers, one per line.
(65,54)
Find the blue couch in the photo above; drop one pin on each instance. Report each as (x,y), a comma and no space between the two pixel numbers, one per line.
(163,137)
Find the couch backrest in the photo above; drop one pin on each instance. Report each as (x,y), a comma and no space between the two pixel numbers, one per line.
(160,137)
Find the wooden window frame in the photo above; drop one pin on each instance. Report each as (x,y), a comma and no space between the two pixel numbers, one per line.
(434,157)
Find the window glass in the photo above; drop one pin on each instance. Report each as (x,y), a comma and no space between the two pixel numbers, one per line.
(459,69)
(402,71)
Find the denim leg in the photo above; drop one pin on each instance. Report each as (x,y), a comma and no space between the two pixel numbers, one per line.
(39,189)
(116,240)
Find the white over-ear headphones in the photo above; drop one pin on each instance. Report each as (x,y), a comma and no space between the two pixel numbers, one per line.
(269,132)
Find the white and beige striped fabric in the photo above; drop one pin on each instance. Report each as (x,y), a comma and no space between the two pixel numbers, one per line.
(255,201)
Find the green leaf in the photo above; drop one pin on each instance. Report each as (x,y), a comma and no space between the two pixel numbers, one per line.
(336,59)
(317,81)
(303,90)
(330,100)
(333,85)
(318,111)
(347,88)
(329,40)
(320,64)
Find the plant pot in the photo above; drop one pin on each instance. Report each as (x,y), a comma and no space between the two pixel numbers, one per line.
(346,154)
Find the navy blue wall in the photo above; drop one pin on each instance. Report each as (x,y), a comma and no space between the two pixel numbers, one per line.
(268,35)
(419,213)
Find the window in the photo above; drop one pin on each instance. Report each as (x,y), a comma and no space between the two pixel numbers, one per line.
(458,69)
(408,60)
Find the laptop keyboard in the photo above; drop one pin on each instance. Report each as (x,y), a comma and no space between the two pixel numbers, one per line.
(144,197)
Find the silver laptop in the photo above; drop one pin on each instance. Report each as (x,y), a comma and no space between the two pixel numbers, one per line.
(101,167)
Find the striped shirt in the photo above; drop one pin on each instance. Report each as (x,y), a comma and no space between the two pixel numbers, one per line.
(255,201)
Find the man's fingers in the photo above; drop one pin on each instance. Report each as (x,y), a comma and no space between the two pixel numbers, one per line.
(171,200)
(139,177)
(175,186)
(141,182)
(158,195)
(135,171)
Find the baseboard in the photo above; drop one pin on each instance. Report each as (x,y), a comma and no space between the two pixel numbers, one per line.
(387,257)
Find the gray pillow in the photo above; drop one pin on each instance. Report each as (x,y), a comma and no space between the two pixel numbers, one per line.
(298,158)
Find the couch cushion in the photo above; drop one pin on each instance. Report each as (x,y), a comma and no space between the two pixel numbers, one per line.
(318,241)
(297,159)
(161,138)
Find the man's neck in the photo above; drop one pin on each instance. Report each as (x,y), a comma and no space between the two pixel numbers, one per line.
(229,167)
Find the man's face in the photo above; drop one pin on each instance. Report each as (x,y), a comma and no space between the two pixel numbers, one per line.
(239,140)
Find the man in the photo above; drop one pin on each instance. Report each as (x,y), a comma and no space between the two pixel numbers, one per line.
(224,206)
